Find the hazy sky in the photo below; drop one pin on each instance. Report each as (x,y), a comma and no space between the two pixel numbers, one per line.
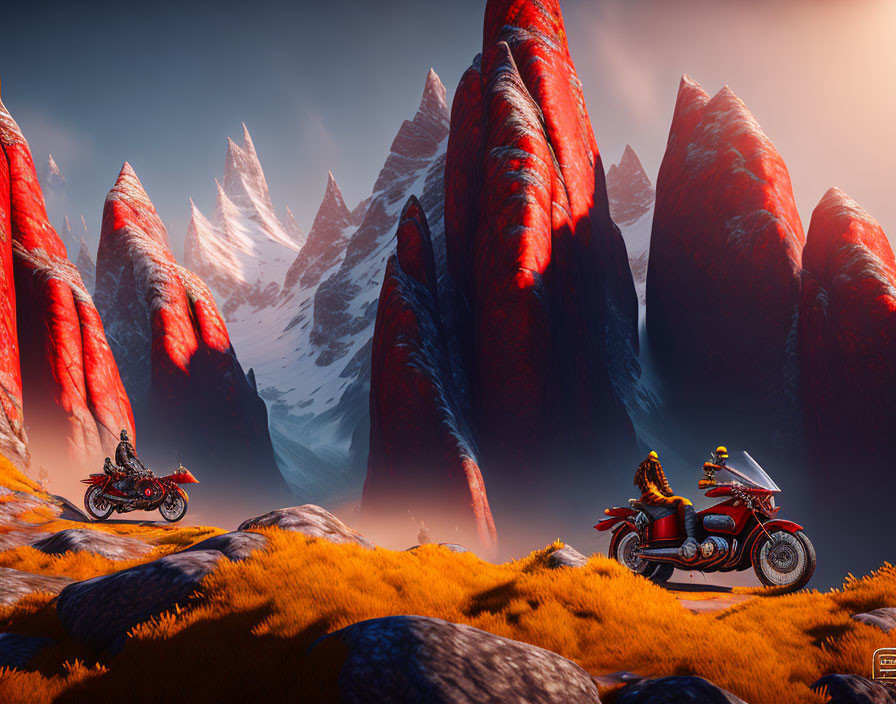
(325,86)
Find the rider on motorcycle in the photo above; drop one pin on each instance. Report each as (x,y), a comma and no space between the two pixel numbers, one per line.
(126,458)
(717,462)
(655,491)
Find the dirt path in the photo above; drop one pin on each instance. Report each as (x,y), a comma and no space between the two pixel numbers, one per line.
(706,598)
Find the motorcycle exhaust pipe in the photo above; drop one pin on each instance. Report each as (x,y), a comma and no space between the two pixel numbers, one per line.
(658,553)
(116,499)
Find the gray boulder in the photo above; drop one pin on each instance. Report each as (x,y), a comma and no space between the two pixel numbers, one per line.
(884,619)
(401,659)
(453,547)
(566,556)
(309,520)
(237,545)
(853,689)
(18,538)
(15,584)
(16,650)
(102,609)
(115,547)
(675,690)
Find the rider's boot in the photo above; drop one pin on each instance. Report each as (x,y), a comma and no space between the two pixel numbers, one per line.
(688,549)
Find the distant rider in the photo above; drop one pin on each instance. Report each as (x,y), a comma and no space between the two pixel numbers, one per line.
(717,462)
(126,458)
(655,491)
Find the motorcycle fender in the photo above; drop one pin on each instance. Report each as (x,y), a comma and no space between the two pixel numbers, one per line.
(781,524)
(95,479)
(180,491)
(608,523)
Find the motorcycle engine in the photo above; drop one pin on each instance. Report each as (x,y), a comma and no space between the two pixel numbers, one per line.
(713,545)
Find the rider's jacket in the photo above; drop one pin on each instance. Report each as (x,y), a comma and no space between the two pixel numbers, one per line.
(124,453)
(651,480)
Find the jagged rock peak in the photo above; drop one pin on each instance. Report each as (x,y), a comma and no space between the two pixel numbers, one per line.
(414,250)
(629,189)
(333,205)
(434,102)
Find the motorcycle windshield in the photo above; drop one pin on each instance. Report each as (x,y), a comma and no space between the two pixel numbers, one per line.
(743,469)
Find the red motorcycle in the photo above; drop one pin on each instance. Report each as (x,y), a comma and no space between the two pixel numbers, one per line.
(147,493)
(738,533)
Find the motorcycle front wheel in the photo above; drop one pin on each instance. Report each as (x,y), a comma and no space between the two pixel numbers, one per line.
(174,507)
(97,506)
(785,560)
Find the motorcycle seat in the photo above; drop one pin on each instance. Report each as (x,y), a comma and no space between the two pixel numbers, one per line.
(654,512)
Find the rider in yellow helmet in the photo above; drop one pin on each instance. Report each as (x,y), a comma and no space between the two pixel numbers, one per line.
(717,462)
(655,491)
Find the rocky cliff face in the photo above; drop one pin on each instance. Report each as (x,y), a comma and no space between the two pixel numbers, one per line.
(512,346)
(188,387)
(244,251)
(848,338)
(13,440)
(423,458)
(540,266)
(72,395)
(723,284)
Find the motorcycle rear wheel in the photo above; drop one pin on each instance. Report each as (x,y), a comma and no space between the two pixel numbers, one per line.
(174,507)
(622,545)
(97,507)
(786,561)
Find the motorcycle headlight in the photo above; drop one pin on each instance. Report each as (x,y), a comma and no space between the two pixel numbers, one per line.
(771,501)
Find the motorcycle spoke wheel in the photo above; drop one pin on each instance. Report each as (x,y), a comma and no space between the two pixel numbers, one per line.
(97,506)
(625,549)
(784,561)
(173,508)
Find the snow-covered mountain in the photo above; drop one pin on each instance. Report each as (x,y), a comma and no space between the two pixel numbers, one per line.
(244,250)
(632,197)
(310,349)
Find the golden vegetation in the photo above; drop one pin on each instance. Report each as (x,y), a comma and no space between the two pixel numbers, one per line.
(253,621)
(12,478)
(246,632)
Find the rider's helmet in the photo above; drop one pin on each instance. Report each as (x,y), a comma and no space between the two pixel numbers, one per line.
(123,436)
(721,453)
(653,456)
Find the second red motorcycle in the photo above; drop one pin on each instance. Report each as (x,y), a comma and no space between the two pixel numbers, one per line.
(739,532)
(147,493)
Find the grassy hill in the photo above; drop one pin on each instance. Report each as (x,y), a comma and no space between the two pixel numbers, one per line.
(244,634)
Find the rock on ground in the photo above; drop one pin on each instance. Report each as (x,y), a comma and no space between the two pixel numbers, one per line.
(853,689)
(16,650)
(114,547)
(309,520)
(884,619)
(453,547)
(102,609)
(675,690)
(237,545)
(418,659)
(567,556)
(15,584)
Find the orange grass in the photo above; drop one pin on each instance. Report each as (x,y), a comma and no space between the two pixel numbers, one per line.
(245,634)
(12,478)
